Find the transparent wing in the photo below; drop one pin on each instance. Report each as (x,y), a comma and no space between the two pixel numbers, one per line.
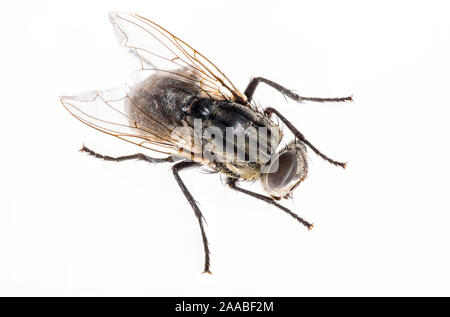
(156,49)
(107,111)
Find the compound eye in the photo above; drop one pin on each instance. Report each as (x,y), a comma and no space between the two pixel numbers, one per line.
(286,172)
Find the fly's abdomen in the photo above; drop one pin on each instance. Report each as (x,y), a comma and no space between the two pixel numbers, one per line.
(161,100)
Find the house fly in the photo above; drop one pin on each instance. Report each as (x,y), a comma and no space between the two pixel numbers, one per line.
(181,105)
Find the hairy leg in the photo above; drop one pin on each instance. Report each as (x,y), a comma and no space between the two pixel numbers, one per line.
(232,184)
(302,138)
(175,169)
(138,156)
(250,90)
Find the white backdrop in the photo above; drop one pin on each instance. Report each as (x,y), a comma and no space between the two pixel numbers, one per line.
(73,225)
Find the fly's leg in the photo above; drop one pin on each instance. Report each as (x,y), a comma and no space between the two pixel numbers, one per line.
(138,156)
(301,137)
(249,91)
(232,184)
(175,169)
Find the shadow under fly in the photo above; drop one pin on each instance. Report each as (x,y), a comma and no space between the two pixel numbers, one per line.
(180,104)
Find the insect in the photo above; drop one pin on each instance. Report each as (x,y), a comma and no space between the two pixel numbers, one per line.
(181,105)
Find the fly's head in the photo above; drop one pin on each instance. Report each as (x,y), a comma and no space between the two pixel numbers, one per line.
(286,170)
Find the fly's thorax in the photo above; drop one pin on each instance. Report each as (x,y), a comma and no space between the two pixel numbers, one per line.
(236,135)
(285,171)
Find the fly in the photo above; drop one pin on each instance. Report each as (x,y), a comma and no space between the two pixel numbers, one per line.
(181,105)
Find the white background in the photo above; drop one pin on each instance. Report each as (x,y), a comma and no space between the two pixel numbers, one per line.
(73,225)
